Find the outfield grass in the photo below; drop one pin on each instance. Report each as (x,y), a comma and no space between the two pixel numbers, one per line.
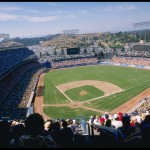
(132,80)
(51,93)
(66,112)
(111,102)
(92,92)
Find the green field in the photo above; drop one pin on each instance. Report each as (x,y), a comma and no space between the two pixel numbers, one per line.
(92,92)
(133,81)
(66,112)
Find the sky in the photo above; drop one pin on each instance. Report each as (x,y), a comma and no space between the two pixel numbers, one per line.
(24,19)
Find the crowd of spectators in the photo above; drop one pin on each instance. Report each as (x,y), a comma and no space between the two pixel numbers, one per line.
(34,132)
(9,81)
(68,57)
(11,57)
(132,53)
(74,62)
(115,120)
(145,106)
(37,49)
(44,50)
(134,127)
(131,60)
(14,105)
(18,65)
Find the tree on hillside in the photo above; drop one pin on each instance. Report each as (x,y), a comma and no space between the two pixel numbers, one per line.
(85,50)
(55,52)
(83,39)
(122,49)
(62,51)
(95,38)
(115,50)
(100,44)
(92,42)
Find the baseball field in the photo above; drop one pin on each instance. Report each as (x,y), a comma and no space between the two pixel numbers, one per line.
(89,90)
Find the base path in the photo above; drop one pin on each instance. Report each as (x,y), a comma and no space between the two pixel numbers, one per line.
(74,105)
(107,87)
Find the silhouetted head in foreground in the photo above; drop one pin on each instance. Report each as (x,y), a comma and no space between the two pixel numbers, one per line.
(34,124)
(64,124)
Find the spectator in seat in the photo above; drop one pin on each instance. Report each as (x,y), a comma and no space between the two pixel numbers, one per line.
(4,134)
(116,121)
(145,127)
(67,135)
(54,131)
(34,138)
(126,129)
(16,132)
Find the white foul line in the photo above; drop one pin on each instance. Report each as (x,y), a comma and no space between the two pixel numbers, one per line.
(64,94)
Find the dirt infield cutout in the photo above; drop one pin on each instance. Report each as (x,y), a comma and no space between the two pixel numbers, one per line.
(108,88)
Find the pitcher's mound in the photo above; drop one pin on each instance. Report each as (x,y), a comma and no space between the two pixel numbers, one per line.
(83,93)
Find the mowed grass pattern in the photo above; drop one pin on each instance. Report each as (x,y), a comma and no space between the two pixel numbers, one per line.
(132,80)
(111,102)
(52,94)
(66,112)
(92,92)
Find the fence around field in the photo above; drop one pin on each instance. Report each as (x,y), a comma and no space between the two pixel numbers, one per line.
(99,135)
(30,104)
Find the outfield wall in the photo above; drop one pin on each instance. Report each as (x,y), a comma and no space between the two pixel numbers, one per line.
(107,63)
(126,65)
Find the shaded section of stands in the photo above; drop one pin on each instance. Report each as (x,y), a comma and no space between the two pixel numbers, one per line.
(11,57)
(9,81)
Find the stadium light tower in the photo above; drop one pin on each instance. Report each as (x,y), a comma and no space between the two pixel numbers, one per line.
(140,25)
(71,32)
(5,36)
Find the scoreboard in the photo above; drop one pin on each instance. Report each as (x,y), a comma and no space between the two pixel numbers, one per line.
(73,51)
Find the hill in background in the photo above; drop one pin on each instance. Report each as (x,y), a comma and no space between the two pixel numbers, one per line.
(68,41)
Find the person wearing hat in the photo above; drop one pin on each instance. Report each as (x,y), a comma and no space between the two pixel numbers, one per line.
(116,122)
(126,129)
(102,121)
(120,114)
(138,117)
